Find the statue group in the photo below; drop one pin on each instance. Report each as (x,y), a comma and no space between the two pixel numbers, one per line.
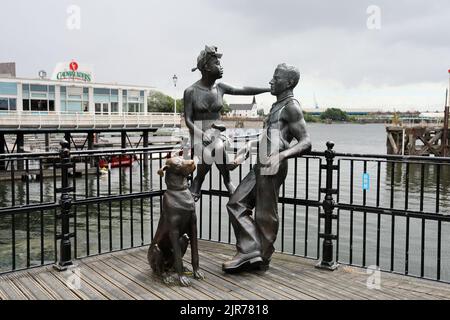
(252,207)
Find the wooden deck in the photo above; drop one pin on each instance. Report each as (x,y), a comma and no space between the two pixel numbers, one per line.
(126,275)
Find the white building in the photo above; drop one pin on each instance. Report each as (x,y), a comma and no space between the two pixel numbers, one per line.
(244,110)
(72,91)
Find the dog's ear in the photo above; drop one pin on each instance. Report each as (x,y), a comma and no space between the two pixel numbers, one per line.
(161,171)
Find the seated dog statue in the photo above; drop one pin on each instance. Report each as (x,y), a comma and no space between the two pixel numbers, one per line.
(177,225)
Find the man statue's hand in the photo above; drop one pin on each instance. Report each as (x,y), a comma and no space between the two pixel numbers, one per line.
(271,165)
(207,138)
(243,154)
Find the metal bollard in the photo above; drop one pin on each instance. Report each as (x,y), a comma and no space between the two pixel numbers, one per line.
(65,202)
(328,205)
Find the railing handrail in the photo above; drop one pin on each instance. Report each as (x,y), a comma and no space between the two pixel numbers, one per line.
(81,113)
(14,156)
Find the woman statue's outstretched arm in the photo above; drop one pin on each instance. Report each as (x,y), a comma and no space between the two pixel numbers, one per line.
(244,91)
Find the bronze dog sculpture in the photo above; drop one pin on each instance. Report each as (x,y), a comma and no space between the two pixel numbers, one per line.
(177,225)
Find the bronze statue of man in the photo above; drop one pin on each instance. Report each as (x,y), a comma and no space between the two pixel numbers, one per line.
(260,188)
(203,102)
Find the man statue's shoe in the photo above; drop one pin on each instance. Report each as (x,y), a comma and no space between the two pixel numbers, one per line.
(265,264)
(242,261)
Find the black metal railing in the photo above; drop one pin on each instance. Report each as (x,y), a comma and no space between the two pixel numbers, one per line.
(328,214)
(363,210)
(59,206)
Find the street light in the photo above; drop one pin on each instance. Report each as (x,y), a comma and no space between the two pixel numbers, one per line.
(175,79)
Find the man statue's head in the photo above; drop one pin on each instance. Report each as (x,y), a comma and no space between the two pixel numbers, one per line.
(285,77)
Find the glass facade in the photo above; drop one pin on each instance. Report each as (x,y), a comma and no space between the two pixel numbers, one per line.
(40,97)
(74,99)
(8,88)
(133,101)
(8,96)
(37,97)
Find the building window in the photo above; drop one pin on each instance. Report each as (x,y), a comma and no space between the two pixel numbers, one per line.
(74,99)
(38,88)
(114,107)
(102,91)
(8,88)
(39,105)
(4,105)
(8,104)
(12,104)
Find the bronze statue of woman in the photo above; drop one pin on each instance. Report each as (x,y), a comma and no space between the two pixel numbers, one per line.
(203,102)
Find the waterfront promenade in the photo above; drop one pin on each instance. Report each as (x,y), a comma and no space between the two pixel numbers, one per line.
(126,275)
(103,223)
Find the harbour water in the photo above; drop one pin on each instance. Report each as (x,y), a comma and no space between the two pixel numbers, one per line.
(93,221)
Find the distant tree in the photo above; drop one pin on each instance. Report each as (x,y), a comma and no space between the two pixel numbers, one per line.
(260,112)
(226,108)
(309,117)
(334,114)
(160,102)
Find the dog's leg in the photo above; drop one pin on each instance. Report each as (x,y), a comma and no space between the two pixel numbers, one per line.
(156,261)
(194,249)
(184,243)
(178,262)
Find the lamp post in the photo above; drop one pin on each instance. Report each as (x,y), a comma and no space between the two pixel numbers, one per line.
(175,79)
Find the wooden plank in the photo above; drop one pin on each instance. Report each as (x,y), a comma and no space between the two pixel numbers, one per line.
(221,283)
(216,281)
(102,285)
(127,275)
(47,281)
(349,286)
(192,292)
(143,279)
(245,283)
(297,275)
(306,292)
(123,282)
(10,290)
(133,273)
(287,280)
(392,142)
(31,289)
(86,291)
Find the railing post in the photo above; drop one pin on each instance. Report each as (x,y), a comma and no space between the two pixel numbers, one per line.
(328,205)
(65,202)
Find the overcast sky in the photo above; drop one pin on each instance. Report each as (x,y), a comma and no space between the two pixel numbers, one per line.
(401,65)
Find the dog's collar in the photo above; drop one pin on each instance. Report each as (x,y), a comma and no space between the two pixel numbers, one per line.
(172,188)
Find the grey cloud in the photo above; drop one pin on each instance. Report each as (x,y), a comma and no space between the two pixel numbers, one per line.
(146,42)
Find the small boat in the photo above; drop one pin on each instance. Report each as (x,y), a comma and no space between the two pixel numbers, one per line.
(116,161)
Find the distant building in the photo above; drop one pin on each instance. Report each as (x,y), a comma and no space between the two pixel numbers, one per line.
(70,90)
(8,70)
(244,110)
